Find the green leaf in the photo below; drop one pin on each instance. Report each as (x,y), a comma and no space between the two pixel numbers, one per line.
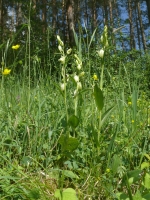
(137,196)
(122,196)
(67,194)
(70,174)
(146,196)
(95,135)
(134,176)
(147,156)
(92,37)
(145,165)
(73,121)
(57,194)
(146,181)
(26,160)
(99,99)
(34,194)
(106,115)
(68,143)
(116,162)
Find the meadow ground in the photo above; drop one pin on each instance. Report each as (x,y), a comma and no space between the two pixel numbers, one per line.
(79,132)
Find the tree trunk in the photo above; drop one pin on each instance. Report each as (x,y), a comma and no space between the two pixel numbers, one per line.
(70,20)
(34,6)
(44,16)
(141,25)
(137,26)
(54,15)
(18,14)
(111,22)
(105,5)
(148,9)
(132,41)
(86,21)
(1,20)
(94,14)
(117,18)
(64,17)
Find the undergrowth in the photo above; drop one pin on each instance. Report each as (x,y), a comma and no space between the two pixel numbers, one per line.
(77,130)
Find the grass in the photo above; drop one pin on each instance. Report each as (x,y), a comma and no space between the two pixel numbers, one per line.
(59,139)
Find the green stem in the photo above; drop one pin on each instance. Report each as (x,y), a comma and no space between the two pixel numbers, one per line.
(102,73)
(65,91)
(29,40)
(101,87)
(76,104)
(128,188)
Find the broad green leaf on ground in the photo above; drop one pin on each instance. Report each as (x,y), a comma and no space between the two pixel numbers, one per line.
(116,162)
(147,156)
(67,194)
(134,176)
(34,194)
(146,196)
(68,143)
(137,196)
(98,96)
(70,174)
(73,121)
(146,181)
(122,196)
(145,165)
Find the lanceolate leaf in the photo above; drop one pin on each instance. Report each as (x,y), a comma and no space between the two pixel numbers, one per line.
(106,115)
(98,96)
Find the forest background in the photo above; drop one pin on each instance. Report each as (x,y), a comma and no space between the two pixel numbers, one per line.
(61,17)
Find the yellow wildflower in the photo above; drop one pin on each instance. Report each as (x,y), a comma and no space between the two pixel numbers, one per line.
(132,121)
(95,77)
(129,103)
(107,170)
(15,47)
(6,71)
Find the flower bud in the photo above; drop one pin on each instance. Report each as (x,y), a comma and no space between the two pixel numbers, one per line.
(75,55)
(76,78)
(62,86)
(62,59)
(105,29)
(58,38)
(69,51)
(60,48)
(102,38)
(75,93)
(77,58)
(106,43)
(81,74)
(79,66)
(101,53)
(60,41)
(79,86)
